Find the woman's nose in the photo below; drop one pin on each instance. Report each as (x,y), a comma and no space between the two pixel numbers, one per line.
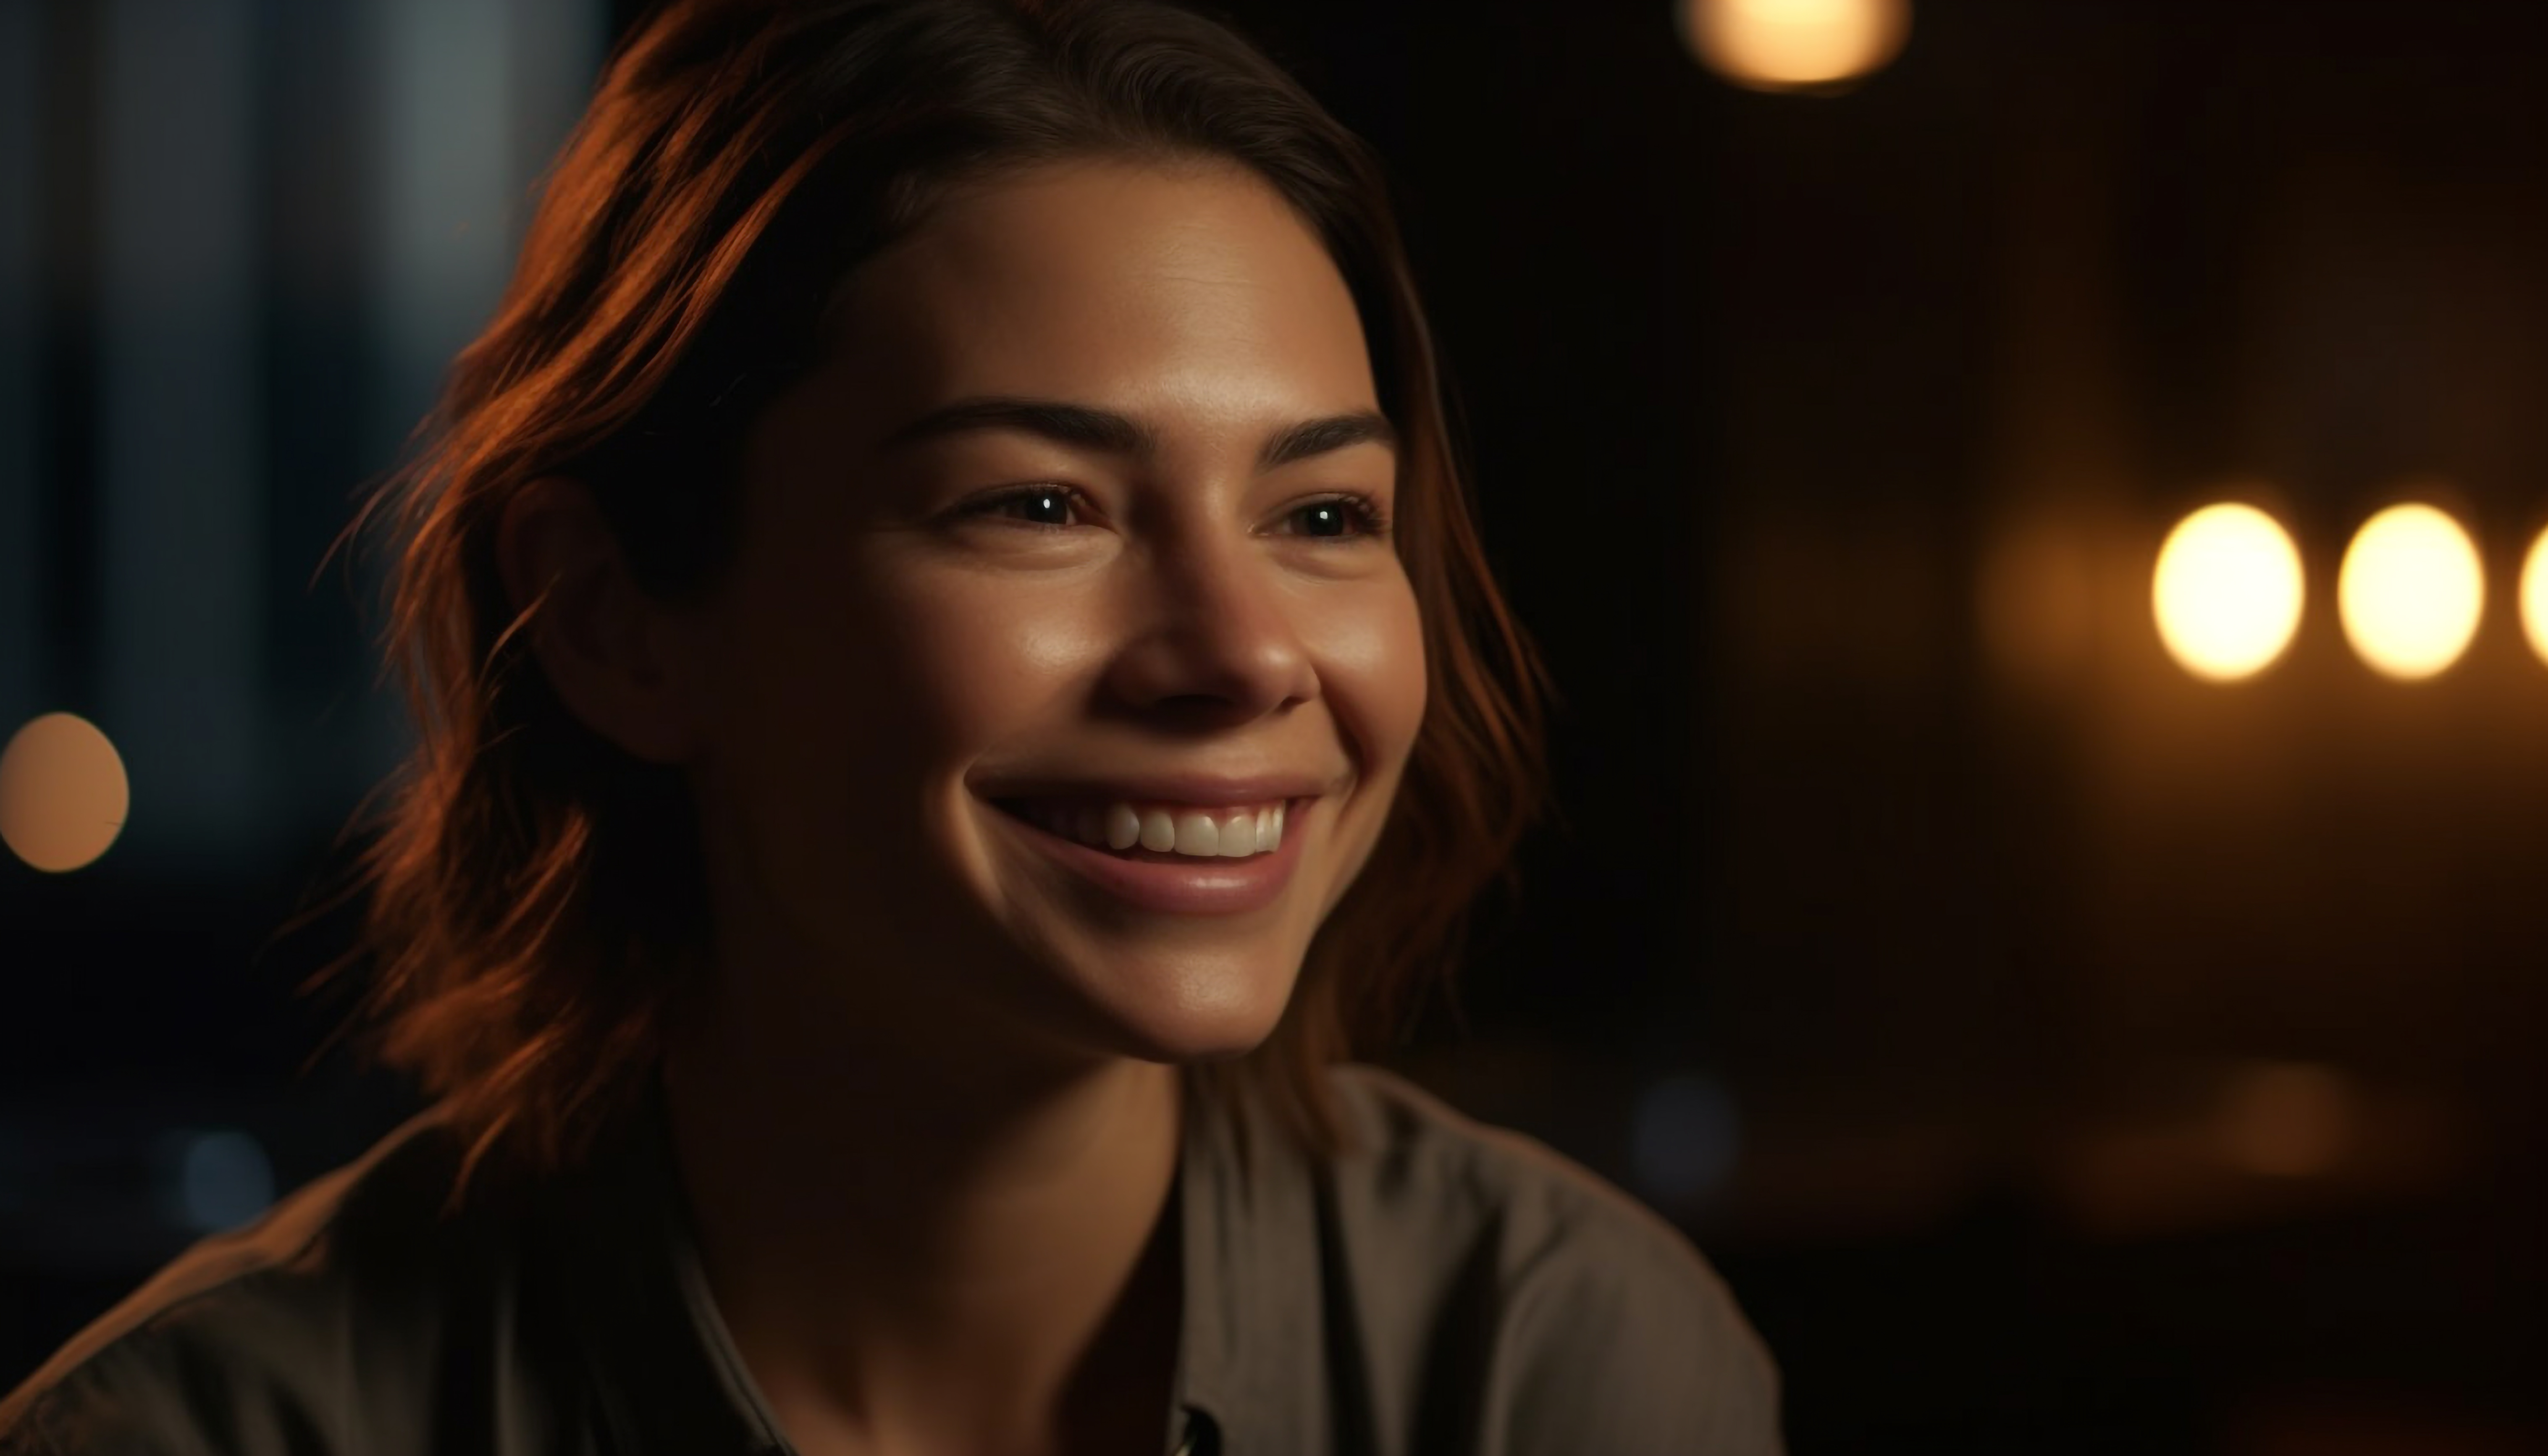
(1218,623)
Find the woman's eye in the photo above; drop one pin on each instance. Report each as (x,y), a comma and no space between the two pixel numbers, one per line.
(1036,505)
(1342,517)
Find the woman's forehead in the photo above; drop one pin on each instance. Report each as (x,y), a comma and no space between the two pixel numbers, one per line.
(1185,288)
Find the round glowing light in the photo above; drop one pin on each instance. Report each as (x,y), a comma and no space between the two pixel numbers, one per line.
(2410,591)
(62,792)
(1794,44)
(215,1180)
(2227,592)
(2534,596)
(2287,1120)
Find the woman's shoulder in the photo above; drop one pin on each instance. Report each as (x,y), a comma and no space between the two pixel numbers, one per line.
(259,1323)
(1417,1167)
(1608,1326)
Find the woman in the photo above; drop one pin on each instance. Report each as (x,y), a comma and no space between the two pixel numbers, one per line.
(954,678)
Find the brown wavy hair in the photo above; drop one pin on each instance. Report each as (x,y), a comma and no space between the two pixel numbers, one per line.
(536,896)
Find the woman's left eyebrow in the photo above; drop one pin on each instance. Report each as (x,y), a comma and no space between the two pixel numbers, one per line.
(1089,428)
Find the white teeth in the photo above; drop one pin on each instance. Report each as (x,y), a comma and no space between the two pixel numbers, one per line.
(1122,828)
(1215,834)
(1197,835)
(1239,836)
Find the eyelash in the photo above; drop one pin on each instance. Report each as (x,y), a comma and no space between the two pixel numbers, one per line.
(1371,518)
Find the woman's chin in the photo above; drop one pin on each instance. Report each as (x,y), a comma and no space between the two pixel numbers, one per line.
(1197,1047)
(1191,1011)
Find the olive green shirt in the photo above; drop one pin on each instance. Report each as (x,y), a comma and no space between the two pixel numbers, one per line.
(1444,1289)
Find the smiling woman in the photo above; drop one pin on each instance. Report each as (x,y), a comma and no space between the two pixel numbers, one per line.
(958,687)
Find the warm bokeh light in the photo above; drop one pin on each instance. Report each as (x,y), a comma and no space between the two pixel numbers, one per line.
(2410,591)
(1794,44)
(2534,596)
(62,792)
(2227,592)
(2037,596)
(2286,1120)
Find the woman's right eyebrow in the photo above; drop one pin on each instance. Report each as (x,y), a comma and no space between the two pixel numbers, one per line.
(1089,428)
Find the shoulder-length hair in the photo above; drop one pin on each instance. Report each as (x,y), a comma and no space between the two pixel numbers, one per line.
(537,900)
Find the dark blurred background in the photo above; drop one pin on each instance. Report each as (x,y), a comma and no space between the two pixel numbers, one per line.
(2057,1051)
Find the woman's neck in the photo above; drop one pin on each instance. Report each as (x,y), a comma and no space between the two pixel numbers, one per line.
(924,1252)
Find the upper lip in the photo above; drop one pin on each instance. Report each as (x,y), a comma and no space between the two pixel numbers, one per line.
(1174,788)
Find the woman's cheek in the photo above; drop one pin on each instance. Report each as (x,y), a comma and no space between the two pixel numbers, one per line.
(981,658)
(1373,658)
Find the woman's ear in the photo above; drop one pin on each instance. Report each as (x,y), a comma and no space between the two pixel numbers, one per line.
(618,660)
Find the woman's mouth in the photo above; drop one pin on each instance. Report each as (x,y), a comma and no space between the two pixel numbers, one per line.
(1160,832)
(1182,878)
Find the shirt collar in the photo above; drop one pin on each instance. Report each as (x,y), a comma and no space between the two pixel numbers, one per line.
(1250,1351)
(670,1379)
(665,1374)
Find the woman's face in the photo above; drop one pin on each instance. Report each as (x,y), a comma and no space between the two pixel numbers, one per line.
(901,654)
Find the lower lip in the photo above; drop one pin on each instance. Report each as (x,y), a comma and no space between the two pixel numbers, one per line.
(1208,887)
